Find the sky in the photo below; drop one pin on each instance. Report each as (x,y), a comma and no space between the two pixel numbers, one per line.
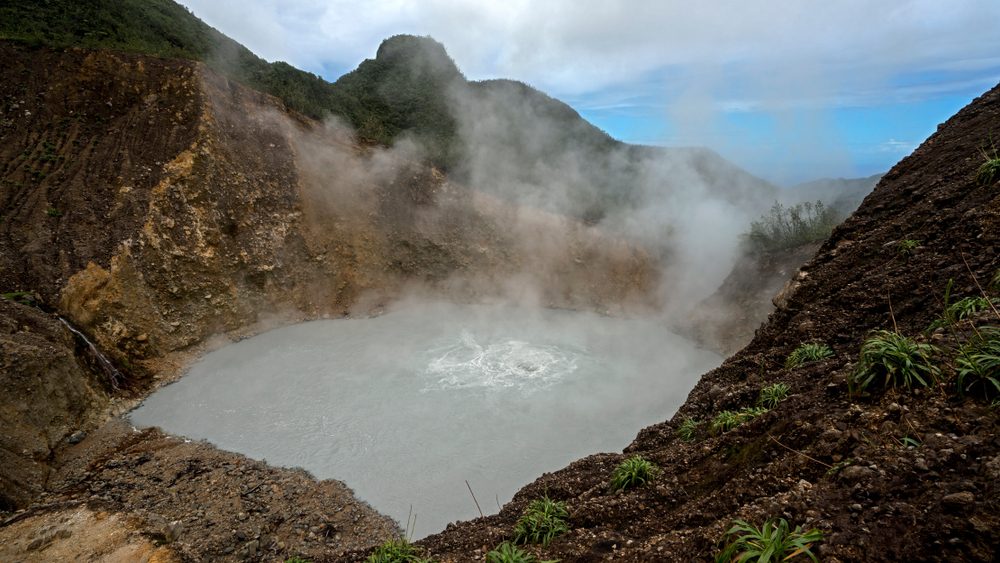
(791,90)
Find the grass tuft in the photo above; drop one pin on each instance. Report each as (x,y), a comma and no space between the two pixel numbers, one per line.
(396,551)
(771,542)
(543,521)
(773,394)
(895,360)
(727,420)
(961,310)
(688,428)
(635,471)
(989,171)
(510,553)
(978,364)
(808,352)
(907,247)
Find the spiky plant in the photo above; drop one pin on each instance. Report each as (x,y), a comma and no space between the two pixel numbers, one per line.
(688,428)
(978,364)
(771,542)
(727,420)
(808,352)
(962,309)
(633,472)
(989,171)
(510,553)
(543,521)
(907,247)
(397,551)
(773,394)
(896,360)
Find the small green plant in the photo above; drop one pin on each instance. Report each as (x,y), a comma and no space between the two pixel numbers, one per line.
(22,297)
(510,553)
(396,551)
(895,360)
(978,364)
(543,521)
(297,559)
(989,171)
(773,394)
(633,472)
(808,352)
(727,420)
(910,442)
(53,212)
(907,247)
(961,310)
(688,428)
(995,282)
(771,542)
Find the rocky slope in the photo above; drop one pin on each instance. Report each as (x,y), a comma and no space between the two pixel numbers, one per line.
(889,475)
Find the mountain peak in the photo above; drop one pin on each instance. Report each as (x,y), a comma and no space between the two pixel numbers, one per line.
(422,53)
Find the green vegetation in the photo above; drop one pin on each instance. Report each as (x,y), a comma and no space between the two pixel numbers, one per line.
(907,247)
(297,559)
(773,394)
(894,359)
(53,212)
(772,542)
(22,297)
(978,364)
(727,420)
(166,29)
(635,471)
(543,521)
(989,171)
(962,309)
(510,553)
(688,428)
(396,551)
(995,282)
(808,352)
(787,227)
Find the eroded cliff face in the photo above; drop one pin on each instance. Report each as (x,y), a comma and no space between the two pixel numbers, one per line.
(190,206)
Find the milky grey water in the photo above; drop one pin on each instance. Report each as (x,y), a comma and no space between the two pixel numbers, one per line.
(406,406)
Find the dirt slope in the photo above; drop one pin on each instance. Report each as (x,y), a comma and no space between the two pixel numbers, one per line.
(822,458)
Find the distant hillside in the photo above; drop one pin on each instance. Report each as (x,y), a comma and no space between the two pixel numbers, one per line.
(843,195)
(500,136)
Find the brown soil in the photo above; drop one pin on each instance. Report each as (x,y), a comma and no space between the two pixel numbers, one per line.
(822,458)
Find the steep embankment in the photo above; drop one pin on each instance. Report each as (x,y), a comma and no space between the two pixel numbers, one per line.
(892,475)
(163,209)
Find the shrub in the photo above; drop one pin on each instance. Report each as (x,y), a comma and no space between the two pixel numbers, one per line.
(396,551)
(771,542)
(771,395)
(510,553)
(633,472)
(808,352)
(543,521)
(687,429)
(727,420)
(787,227)
(907,247)
(896,360)
(978,364)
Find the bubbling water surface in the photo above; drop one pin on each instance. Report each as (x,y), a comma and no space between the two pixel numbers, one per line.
(405,407)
